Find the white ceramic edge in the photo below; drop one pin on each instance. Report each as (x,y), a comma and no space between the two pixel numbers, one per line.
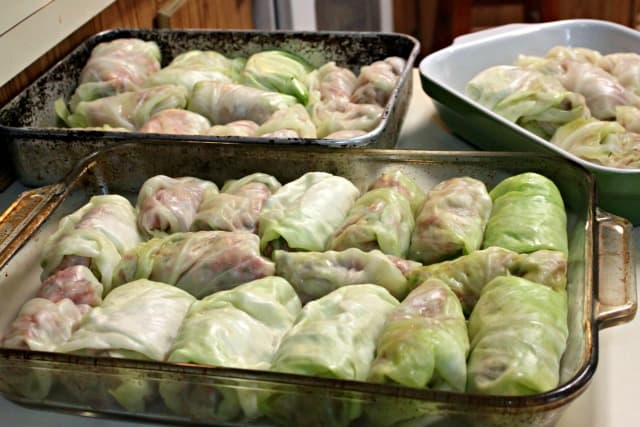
(430,65)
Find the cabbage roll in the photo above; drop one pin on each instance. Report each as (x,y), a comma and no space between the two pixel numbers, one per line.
(238,328)
(528,215)
(304,213)
(468,274)
(579,54)
(237,206)
(177,122)
(190,67)
(377,80)
(629,117)
(76,283)
(334,116)
(236,128)
(625,67)
(331,82)
(404,185)
(43,325)
(315,274)
(139,320)
(222,103)
(96,236)
(116,66)
(527,97)
(169,205)
(334,336)
(127,110)
(295,119)
(278,71)
(451,221)
(424,343)
(602,142)
(200,262)
(518,332)
(602,91)
(380,219)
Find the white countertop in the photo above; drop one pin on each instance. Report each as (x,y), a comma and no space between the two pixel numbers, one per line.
(608,402)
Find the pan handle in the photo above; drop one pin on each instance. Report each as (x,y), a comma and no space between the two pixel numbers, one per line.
(616,302)
(24,216)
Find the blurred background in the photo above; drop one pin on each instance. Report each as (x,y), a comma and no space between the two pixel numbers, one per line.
(38,33)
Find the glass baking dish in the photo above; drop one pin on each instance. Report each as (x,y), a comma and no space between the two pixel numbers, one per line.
(601,293)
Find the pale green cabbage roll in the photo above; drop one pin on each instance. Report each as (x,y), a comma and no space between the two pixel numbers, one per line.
(237,206)
(304,213)
(176,122)
(602,142)
(380,219)
(629,117)
(579,54)
(403,184)
(139,319)
(335,115)
(96,235)
(377,80)
(238,328)
(200,262)
(331,82)
(190,67)
(625,67)
(168,205)
(424,343)
(527,97)
(278,71)
(334,336)
(294,119)
(223,103)
(126,110)
(116,66)
(315,274)
(518,332)
(76,283)
(451,221)
(468,274)
(528,215)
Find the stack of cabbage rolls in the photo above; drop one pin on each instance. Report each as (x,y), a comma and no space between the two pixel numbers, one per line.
(272,93)
(579,99)
(457,287)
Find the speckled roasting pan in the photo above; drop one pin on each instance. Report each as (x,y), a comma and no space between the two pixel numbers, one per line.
(42,153)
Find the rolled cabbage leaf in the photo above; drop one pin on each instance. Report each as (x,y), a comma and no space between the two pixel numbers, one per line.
(76,283)
(376,81)
(518,332)
(176,122)
(625,67)
(96,235)
(528,215)
(334,336)
(238,328)
(424,342)
(116,66)
(315,274)
(380,219)
(334,116)
(127,110)
(168,205)
(404,185)
(193,66)
(295,119)
(468,274)
(235,128)
(223,103)
(331,82)
(602,142)
(43,325)
(139,319)
(304,213)
(527,97)
(451,221)
(278,71)
(579,54)
(201,262)
(237,206)
(629,117)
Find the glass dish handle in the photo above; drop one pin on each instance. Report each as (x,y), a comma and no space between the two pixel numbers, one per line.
(25,215)
(616,302)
